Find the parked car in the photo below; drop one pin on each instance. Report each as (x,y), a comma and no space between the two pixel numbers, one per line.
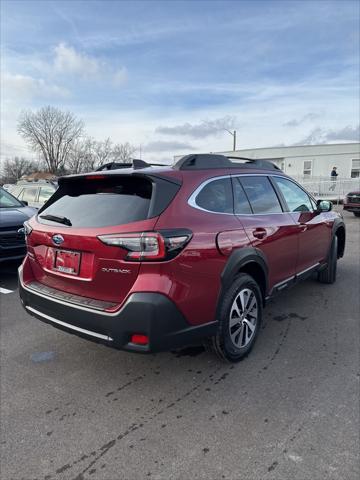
(36,193)
(12,216)
(148,259)
(352,203)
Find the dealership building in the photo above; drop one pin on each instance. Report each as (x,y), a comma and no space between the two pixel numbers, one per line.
(310,161)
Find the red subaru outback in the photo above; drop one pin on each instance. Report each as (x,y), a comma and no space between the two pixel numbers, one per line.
(155,258)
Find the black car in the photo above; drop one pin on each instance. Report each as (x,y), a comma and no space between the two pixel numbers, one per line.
(13,214)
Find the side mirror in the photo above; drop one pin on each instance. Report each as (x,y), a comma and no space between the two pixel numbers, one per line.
(324,206)
(25,203)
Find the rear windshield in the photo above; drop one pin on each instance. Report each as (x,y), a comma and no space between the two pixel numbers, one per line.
(94,203)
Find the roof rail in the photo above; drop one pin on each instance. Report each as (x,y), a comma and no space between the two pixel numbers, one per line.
(206,161)
(255,163)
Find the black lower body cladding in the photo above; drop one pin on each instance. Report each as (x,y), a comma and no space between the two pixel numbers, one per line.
(150,314)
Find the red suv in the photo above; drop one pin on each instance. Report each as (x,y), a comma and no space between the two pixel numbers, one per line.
(352,203)
(155,258)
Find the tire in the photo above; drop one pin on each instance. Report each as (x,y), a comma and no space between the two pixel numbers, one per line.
(357,214)
(235,339)
(328,275)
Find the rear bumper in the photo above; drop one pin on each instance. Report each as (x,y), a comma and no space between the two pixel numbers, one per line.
(151,314)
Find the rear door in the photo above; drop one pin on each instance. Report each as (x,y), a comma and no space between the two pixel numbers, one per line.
(268,227)
(314,230)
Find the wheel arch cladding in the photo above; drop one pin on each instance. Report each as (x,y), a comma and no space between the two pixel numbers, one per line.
(248,260)
(338,229)
(340,233)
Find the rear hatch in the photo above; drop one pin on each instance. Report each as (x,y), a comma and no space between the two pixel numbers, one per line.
(64,246)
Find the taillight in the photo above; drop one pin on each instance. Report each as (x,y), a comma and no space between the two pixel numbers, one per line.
(149,246)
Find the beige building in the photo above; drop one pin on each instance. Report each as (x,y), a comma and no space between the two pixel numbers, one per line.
(309,161)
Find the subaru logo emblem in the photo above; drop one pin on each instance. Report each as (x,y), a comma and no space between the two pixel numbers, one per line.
(58,239)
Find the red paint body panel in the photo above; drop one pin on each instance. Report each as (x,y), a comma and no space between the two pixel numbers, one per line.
(279,245)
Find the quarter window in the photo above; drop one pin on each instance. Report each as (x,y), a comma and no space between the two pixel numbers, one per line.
(261,195)
(296,199)
(216,196)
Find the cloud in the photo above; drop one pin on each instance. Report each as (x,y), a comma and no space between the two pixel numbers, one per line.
(321,136)
(26,87)
(200,130)
(160,146)
(306,118)
(68,60)
(120,77)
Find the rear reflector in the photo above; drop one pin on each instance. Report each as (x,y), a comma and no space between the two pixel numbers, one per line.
(139,339)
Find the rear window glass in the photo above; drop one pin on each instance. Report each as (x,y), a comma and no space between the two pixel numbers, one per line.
(241,203)
(261,195)
(93,203)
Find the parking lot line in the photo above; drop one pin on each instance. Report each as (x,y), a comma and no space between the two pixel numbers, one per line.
(5,290)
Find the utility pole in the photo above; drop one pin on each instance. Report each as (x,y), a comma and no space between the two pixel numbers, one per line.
(233,134)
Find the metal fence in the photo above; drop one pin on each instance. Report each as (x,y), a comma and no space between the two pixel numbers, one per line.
(335,190)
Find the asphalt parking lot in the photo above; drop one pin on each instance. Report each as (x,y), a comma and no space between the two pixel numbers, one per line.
(71,409)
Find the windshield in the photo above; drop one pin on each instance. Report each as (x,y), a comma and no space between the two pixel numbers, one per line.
(8,201)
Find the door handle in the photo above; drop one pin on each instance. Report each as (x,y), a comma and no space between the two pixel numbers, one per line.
(303,227)
(259,233)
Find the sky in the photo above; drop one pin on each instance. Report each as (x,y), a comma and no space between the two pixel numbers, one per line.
(171,77)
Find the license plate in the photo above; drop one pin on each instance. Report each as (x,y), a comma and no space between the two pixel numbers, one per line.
(67,262)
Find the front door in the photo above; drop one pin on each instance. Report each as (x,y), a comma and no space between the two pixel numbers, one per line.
(314,232)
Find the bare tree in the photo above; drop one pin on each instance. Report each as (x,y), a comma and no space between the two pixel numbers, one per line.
(51,132)
(102,151)
(81,158)
(123,152)
(87,154)
(15,168)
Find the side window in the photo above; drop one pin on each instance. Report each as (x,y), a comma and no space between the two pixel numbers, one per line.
(241,203)
(216,196)
(261,195)
(295,197)
(29,194)
(45,194)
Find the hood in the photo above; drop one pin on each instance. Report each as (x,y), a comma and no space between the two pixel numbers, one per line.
(15,216)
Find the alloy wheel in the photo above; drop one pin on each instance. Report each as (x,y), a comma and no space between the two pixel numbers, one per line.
(243,318)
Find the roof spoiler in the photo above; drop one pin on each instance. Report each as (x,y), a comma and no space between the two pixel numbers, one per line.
(136,164)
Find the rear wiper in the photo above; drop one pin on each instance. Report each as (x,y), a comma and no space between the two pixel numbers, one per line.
(55,218)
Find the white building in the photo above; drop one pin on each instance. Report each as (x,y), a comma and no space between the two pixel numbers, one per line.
(310,161)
